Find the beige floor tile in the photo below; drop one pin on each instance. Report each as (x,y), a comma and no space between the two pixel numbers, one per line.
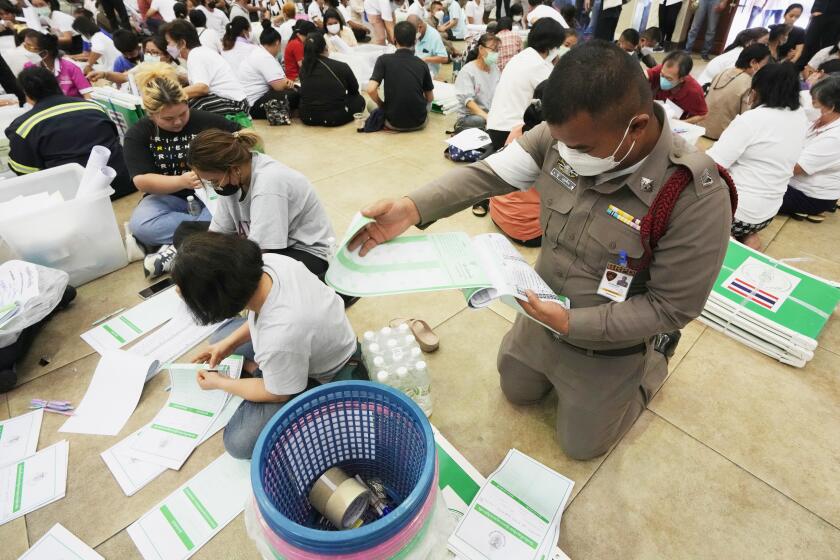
(802,258)
(768,418)
(124,207)
(232,543)
(768,234)
(90,485)
(373,313)
(661,494)
(817,239)
(471,411)
(60,340)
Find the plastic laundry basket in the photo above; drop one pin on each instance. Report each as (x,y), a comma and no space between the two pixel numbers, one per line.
(366,429)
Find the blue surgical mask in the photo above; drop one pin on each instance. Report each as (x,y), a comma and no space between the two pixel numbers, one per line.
(665,84)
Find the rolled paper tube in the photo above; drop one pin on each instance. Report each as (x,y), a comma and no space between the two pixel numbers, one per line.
(99,182)
(97,159)
(339,498)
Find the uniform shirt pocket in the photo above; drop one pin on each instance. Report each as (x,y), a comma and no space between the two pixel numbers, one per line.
(607,237)
(554,213)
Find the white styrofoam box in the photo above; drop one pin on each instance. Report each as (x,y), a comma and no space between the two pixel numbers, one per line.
(78,236)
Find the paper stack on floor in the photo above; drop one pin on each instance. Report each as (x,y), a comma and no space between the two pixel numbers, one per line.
(769,306)
(446,98)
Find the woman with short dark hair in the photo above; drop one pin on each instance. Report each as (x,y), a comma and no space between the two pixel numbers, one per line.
(296,334)
(815,185)
(760,148)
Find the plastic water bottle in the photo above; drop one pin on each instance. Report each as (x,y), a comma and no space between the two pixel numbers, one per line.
(378,363)
(402,329)
(422,387)
(368,338)
(414,354)
(402,382)
(396,358)
(383,335)
(193,207)
(383,377)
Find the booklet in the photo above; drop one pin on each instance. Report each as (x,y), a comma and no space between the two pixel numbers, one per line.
(19,436)
(33,482)
(486,267)
(60,544)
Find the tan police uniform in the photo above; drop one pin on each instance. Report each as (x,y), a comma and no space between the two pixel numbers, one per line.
(605,371)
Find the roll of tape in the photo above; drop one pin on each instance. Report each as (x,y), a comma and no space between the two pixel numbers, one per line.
(341,499)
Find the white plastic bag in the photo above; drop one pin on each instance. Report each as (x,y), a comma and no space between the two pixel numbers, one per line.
(50,288)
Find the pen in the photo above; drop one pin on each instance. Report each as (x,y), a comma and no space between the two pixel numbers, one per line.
(108,316)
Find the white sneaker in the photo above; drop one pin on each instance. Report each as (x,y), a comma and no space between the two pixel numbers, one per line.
(132,249)
(159,263)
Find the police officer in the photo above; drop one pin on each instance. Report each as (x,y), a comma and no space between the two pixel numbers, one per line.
(599,161)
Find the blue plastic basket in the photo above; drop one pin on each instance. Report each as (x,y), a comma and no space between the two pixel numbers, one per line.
(365,428)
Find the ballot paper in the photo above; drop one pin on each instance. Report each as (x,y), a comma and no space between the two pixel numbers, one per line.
(133,474)
(130,325)
(19,436)
(192,515)
(486,267)
(60,544)
(94,179)
(470,139)
(181,424)
(174,339)
(33,482)
(18,285)
(209,197)
(112,395)
(516,514)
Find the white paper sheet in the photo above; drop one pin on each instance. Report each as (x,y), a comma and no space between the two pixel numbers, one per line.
(97,160)
(130,325)
(133,474)
(112,395)
(99,181)
(192,515)
(19,436)
(174,339)
(470,139)
(182,422)
(18,282)
(60,544)
(34,482)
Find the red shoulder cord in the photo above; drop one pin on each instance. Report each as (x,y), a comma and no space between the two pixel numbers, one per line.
(655,223)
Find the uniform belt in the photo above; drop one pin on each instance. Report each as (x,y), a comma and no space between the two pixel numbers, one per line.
(613,353)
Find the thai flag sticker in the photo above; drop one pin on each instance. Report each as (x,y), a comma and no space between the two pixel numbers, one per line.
(761,283)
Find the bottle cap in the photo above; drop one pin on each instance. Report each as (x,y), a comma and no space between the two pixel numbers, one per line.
(402,372)
(415,352)
(409,340)
(369,336)
(420,365)
(385,331)
(379,361)
(391,343)
(374,348)
(382,376)
(402,328)
(190,198)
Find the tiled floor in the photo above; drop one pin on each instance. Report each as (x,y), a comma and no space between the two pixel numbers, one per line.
(737,457)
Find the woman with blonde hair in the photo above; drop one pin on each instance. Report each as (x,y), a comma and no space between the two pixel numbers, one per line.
(262,199)
(156,155)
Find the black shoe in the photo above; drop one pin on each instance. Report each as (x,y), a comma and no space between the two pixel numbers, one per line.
(349,300)
(67,298)
(8,379)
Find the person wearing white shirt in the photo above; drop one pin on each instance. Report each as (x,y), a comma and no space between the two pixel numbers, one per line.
(236,42)
(213,85)
(261,74)
(417,8)
(728,58)
(286,30)
(760,149)
(216,19)
(380,14)
(520,77)
(61,25)
(542,9)
(815,186)
(166,9)
(103,53)
(208,37)
(237,9)
(474,11)
(316,12)
(456,27)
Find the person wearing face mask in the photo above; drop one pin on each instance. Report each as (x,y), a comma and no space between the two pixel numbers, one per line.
(429,47)
(729,93)
(760,149)
(604,143)
(339,37)
(236,42)
(476,83)
(672,81)
(815,185)
(70,78)
(60,24)
(455,27)
(262,74)
(521,75)
(156,154)
(213,84)
(261,199)
(510,44)
(517,14)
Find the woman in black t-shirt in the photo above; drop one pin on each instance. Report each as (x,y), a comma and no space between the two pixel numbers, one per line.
(792,48)
(156,155)
(329,92)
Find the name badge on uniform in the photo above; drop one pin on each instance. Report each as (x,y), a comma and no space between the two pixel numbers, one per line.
(563,173)
(615,283)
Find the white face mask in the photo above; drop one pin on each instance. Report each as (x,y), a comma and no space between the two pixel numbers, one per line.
(439,15)
(517,19)
(151,58)
(333,28)
(552,54)
(590,166)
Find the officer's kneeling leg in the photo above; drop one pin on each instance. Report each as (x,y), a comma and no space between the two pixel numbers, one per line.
(599,399)
(520,363)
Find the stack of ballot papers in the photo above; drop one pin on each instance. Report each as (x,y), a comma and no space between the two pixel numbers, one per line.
(469,139)
(769,306)
(189,418)
(18,285)
(446,98)
(516,513)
